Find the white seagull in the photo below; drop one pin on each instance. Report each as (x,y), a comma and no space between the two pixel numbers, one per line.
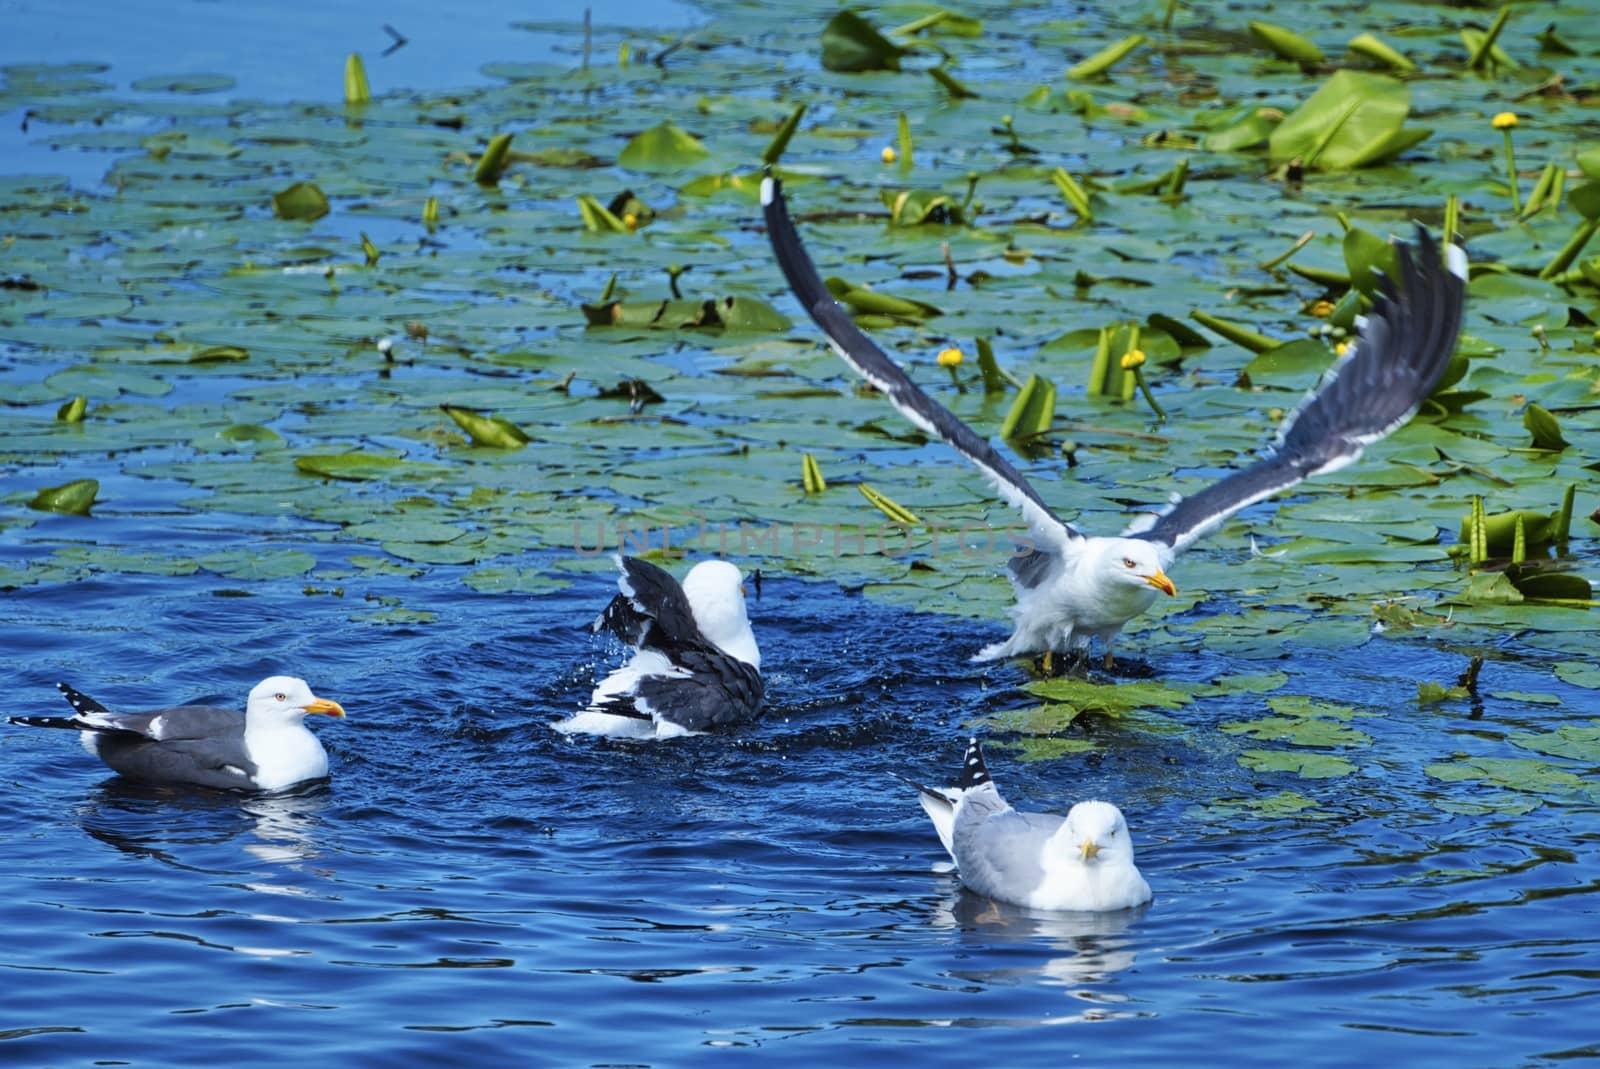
(1081,862)
(266,749)
(695,665)
(1073,587)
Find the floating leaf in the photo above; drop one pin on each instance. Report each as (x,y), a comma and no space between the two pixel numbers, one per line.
(1102,61)
(1355,119)
(73,499)
(598,217)
(488,430)
(1287,44)
(662,149)
(302,201)
(871,302)
(852,44)
(1253,128)
(1241,336)
(356,467)
(255,563)
(1305,765)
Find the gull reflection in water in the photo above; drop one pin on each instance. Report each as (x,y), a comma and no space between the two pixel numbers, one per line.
(1086,950)
(183,826)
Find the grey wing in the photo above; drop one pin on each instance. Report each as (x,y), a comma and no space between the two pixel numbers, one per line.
(874,365)
(1402,352)
(221,763)
(715,691)
(999,853)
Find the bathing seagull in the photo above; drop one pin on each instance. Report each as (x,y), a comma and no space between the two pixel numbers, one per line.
(695,665)
(1073,587)
(266,749)
(1083,861)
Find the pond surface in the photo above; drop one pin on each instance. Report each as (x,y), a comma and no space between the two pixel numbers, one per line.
(1343,872)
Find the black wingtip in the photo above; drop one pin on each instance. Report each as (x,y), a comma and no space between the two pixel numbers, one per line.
(974,773)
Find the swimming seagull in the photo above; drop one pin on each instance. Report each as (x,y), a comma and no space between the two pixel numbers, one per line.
(1081,862)
(695,665)
(266,749)
(1073,587)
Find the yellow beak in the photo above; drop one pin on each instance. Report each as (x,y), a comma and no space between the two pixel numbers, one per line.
(323,705)
(1088,849)
(1160,581)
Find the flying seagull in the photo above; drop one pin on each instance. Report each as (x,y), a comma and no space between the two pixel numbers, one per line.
(695,665)
(1083,861)
(1074,587)
(266,749)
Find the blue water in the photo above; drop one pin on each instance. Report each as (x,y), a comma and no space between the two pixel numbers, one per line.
(472,889)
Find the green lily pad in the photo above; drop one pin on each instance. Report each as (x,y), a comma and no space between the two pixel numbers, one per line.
(1303,764)
(663,149)
(850,43)
(1354,120)
(258,564)
(302,201)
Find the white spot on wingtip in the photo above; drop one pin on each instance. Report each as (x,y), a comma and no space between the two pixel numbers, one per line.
(1455,258)
(769,191)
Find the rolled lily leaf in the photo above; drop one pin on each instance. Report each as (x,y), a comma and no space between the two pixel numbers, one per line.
(1372,47)
(995,378)
(895,512)
(1033,411)
(852,44)
(811,479)
(597,217)
(1102,61)
(1253,129)
(780,141)
(302,201)
(1355,119)
(1287,44)
(1544,427)
(1241,336)
(217,354)
(73,411)
(1497,534)
(355,80)
(662,149)
(488,430)
(1365,254)
(914,207)
(871,302)
(73,499)
(492,164)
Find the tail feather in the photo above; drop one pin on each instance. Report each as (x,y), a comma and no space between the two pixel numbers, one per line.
(73,723)
(80,701)
(974,773)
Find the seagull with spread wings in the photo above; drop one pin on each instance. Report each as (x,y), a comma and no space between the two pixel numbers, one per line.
(1072,587)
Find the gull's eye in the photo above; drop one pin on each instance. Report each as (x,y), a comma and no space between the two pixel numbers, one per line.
(1128,562)
(280,696)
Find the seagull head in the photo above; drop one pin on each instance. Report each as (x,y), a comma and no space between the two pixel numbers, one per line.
(715,590)
(1134,562)
(1096,834)
(284,700)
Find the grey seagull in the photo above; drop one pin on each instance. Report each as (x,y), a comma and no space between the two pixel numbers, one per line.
(1073,588)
